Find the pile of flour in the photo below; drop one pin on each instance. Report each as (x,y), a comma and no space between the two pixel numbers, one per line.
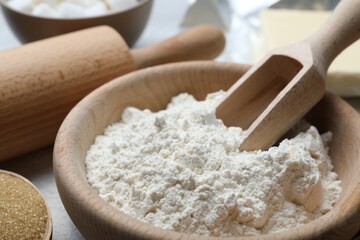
(181,169)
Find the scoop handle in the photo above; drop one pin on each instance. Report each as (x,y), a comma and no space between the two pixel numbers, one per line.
(340,30)
(198,43)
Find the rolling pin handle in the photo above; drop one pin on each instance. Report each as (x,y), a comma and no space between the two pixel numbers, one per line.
(198,43)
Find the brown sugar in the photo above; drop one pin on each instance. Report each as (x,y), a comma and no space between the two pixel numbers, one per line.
(23,212)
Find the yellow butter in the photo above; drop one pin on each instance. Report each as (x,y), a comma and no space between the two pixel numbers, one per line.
(281,27)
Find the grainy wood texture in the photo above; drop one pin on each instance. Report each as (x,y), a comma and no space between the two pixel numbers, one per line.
(280,89)
(153,88)
(40,82)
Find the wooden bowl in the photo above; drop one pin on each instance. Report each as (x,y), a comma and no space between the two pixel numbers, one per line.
(27,28)
(153,88)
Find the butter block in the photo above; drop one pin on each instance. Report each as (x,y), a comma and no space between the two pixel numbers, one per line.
(281,27)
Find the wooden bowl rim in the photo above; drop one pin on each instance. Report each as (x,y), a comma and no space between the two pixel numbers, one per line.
(110,215)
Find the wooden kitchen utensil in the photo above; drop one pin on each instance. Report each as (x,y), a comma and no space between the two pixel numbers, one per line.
(40,82)
(290,78)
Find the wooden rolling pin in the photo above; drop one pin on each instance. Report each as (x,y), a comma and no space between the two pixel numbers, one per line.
(40,82)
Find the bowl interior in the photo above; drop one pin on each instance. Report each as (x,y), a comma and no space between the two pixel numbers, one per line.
(153,88)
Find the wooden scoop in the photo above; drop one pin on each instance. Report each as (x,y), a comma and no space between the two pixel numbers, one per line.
(279,90)
(40,82)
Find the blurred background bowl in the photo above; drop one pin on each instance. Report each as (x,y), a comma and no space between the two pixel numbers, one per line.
(152,88)
(129,23)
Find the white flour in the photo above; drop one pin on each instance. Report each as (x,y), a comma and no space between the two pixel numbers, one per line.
(180,169)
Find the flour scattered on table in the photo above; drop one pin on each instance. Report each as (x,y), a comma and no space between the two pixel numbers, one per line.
(181,169)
